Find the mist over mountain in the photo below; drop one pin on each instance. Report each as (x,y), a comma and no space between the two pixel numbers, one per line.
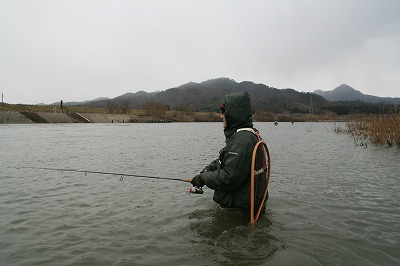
(82,103)
(206,97)
(346,93)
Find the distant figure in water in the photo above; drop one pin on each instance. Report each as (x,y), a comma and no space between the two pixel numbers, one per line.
(229,175)
(276,123)
(292,122)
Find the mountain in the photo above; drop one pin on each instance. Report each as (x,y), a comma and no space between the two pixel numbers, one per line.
(135,100)
(346,93)
(206,96)
(81,103)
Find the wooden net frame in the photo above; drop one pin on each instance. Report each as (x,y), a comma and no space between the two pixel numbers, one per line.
(260,175)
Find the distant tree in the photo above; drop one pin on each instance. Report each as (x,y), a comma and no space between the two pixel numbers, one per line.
(263,116)
(111,106)
(185,109)
(125,106)
(154,108)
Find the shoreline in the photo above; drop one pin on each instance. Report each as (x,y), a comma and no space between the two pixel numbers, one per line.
(37,117)
(31,117)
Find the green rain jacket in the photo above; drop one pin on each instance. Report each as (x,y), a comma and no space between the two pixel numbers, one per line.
(229,176)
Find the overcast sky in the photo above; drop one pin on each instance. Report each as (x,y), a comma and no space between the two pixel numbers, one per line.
(79,50)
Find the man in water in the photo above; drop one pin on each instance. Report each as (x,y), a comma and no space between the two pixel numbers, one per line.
(229,176)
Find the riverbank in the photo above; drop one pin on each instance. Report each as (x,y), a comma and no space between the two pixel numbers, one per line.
(30,117)
(25,114)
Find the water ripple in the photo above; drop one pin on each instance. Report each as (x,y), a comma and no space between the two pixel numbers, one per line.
(331,202)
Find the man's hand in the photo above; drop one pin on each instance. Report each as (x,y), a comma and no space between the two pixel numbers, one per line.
(198,181)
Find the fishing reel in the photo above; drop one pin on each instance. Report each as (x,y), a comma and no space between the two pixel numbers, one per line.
(195,190)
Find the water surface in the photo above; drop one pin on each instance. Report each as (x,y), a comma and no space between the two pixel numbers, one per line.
(331,202)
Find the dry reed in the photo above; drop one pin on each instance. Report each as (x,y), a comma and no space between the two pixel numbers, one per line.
(381,130)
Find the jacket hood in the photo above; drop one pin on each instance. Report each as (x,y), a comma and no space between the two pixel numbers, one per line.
(237,112)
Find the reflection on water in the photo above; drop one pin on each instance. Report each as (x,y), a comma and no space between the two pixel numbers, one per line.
(330,202)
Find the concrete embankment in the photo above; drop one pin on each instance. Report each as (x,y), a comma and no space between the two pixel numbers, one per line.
(7,117)
(10,117)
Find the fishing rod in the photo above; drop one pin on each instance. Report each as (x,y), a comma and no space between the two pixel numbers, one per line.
(192,189)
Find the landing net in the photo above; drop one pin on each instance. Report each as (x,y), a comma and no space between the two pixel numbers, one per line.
(260,175)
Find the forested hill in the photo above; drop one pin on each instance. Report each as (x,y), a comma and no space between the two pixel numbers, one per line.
(346,93)
(206,96)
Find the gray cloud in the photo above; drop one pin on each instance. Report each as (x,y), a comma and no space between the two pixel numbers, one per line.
(79,50)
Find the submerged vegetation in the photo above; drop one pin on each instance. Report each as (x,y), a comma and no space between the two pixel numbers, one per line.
(380,130)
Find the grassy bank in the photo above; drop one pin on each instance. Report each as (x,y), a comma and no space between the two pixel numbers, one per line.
(380,130)
(179,116)
(52,109)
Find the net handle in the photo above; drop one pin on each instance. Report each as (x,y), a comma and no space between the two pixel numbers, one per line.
(253,160)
